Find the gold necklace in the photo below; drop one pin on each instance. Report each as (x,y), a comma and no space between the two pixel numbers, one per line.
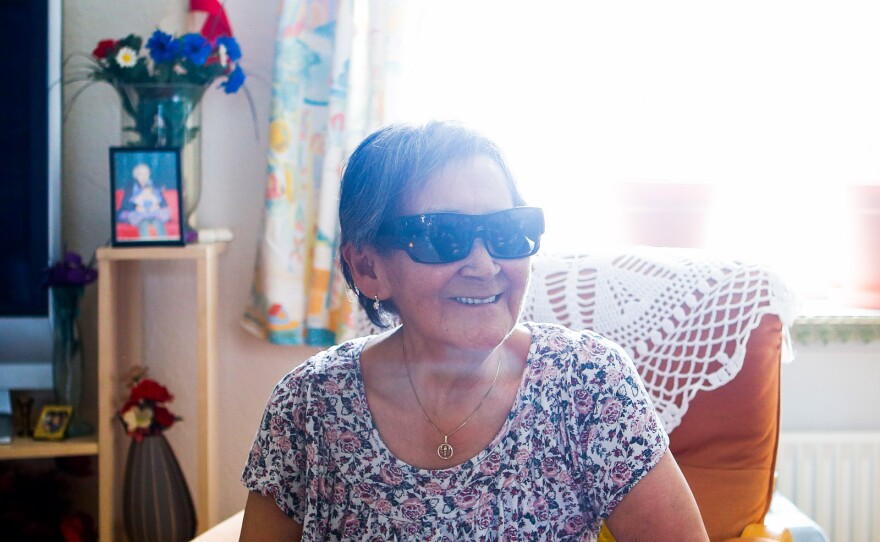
(445,450)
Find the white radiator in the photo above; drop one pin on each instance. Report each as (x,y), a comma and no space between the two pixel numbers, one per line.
(835,479)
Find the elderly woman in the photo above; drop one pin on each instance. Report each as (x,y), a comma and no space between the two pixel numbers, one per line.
(460,423)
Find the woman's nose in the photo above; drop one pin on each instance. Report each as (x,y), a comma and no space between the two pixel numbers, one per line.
(479,262)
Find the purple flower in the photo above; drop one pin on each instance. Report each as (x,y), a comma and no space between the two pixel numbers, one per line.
(541,509)
(70,271)
(412,508)
(467,498)
(391,475)
(349,442)
(235,81)
(620,474)
(195,48)
(233,51)
(611,411)
(163,47)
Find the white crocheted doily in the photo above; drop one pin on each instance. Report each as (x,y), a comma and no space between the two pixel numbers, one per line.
(684,316)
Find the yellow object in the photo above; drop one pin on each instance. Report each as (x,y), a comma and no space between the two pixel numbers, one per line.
(752,533)
(756,532)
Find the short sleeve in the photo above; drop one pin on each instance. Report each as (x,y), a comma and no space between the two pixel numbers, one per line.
(276,464)
(622,439)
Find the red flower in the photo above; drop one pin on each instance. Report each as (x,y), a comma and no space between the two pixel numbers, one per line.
(149,390)
(104,48)
(144,413)
(164,418)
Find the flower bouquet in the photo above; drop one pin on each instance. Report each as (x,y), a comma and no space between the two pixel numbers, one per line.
(67,280)
(144,413)
(160,90)
(160,84)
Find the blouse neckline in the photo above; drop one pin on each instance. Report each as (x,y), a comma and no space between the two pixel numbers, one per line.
(461,468)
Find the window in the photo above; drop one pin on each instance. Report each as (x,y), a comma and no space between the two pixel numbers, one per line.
(775,104)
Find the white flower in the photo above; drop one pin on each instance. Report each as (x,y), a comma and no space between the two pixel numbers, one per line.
(126,57)
(137,418)
(224,57)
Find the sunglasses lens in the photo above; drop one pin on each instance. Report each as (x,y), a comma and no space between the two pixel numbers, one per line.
(515,233)
(443,238)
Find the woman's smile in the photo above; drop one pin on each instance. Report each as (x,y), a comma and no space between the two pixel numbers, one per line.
(477,300)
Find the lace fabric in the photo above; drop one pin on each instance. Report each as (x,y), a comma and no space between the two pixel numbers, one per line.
(684,316)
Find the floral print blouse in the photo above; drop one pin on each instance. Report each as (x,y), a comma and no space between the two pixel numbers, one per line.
(579,436)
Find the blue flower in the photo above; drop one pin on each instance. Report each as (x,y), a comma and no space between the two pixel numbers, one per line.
(163,47)
(234,81)
(232,49)
(196,48)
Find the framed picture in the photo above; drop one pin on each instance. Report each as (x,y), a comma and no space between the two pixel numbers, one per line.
(146,196)
(52,422)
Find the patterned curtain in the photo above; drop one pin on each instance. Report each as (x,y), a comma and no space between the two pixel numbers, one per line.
(331,69)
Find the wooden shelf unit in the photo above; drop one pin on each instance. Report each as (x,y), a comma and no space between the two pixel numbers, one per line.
(119,270)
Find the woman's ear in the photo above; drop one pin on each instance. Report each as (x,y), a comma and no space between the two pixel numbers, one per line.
(363,265)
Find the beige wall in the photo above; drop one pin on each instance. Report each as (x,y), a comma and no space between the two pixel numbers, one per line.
(233,171)
(233,163)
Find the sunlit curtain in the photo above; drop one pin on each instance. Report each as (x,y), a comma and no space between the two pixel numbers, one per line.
(329,73)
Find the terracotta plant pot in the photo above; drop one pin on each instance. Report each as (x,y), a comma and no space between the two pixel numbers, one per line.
(862,285)
(664,214)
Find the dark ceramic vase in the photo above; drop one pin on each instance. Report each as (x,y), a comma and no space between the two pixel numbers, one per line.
(157,504)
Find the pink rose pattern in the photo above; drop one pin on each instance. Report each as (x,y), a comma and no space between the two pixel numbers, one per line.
(580,434)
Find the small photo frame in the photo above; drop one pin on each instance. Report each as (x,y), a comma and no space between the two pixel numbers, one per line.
(146,196)
(53,421)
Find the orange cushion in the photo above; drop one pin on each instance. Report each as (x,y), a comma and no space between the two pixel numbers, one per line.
(726,443)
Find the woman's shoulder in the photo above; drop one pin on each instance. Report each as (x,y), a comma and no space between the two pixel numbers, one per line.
(556,336)
(578,354)
(337,363)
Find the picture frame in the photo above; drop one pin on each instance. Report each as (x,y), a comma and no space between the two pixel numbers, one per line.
(53,421)
(146,198)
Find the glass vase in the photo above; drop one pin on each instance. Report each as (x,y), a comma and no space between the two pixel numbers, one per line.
(67,355)
(168,115)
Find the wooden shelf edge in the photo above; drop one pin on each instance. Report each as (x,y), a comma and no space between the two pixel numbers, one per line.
(194,251)
(27,448)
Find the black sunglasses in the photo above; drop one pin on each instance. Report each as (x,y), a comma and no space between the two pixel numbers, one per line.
(448,237)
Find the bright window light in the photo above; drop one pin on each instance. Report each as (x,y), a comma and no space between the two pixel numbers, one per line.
(776,104)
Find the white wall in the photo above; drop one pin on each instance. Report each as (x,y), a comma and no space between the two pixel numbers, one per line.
(832,388)
(825,388)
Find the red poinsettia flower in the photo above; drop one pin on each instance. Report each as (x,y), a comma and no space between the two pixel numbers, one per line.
(104,48)
(164,418)
(150,390)
(144,413)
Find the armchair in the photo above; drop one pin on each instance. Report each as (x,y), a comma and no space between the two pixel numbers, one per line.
(708,337)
